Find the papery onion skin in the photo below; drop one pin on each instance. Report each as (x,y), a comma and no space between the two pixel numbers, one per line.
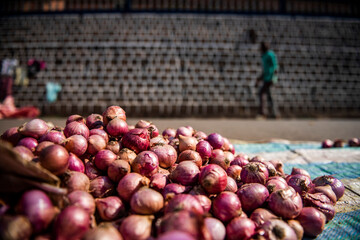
(136,227)
(295,171)
(146,201)
(94,121)
(113,146)
(76,181)
(34,128)
(75,118)
(298,229)
(240,159)
(173,189)
(118,169)
(24,152)
(137,140)
(285,203)
(166,154)
(301,183)
(240,228)
(28,142)
(158,140)
(186,173)
(312,221)
(75,163)
(261,215)
(277,229)
(326,190)
(110,208)
(100,132)
(187,143)
(95,144)
(104,158)
(105,231)
(321,202)
(184,202)
(215,140)
(213,178)
(234,171)
(276,183)
(91,171)
(190,155)
(254,172)
(54,158)
(204,149)
(76,144)
(146,163)
(82,199)
(218,157)
(216,228)
(117,127)
(76,128)
(129,184)
(252,196)
(226,206)
(158,181)
(127,155)
(113,112)
(231,185)
(336,185)
(101,186)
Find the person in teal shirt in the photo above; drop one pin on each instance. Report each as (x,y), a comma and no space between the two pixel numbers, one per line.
(268,78)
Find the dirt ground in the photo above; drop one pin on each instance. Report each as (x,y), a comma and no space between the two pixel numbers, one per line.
(247,129)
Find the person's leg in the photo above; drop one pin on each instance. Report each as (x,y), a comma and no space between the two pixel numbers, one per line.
(262,109)
(270,99)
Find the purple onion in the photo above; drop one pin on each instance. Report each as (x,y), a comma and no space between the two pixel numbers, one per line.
(76,181)
(91,171)
(240,159)
(184,131)
(95,144)
(173,189)
(129,184)
(118,169)
(336,185)
(94,121)
(300,183)
(213,178)
(101,186)
(285,203)
(254,172)
(75,164)
(321,202)
(240,228)
(104,158)
(76,144)
(215,140)
(312,221)
(100,132)
(113,112)
(190,155)
(117,127)
(54,135)
(158,181)
(186,173)
(262,215)
(231,185)
(104,231)
(34,128)
(277,229)
(234,171)
(113,146)
(11,135)
(175,235)
(166,154)
(82,199)
(24,152)
(252,196)
(204,201)
(184,202)
(76,128)
(276,183)
(216,228)
(199,135)
(146,163)
(110,208)
(300,171)
(29,142)
(226,206)
(136,139)
(54,158)
(136,227)
(327,143)
(204,149)
(146,201)
(75,118)
(169,133)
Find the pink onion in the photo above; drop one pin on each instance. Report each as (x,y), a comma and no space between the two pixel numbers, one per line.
(231,185)
(11,135)
(113,112)
(276,183)
(127,155)
(339,143)
(129,184)
(173,189)
(76,181)
(91,171)
(75,118)
(298,229)
(321,202)
(204,201)
(153,131)
(76,144)
(254,172)
(38,208)
(213,178)
(234,171)
(95,144)
(113,146)
(82,199)
(187,143)
(72,223)
(158,181)
(41,146)
(199,135)
(184,131)
(262,215)
(240,159)
(101,186)
(104,158)
(354,142)
(300,171)
(252,196)
(110,208)
(285,203)
(146,163)
(240,228)
(175,235)
(105,231)
(300,183)
(216,228)
(164,171)
(54,135)
(136,227)
(117,127)
(312,221)
(100,132)
(327,143)
(215,140)
(34,128)
(226,145)
(219,157)
(146,201)
(278,166)
(137,140)
(166,154)
(24,152)
(175,144)
(158,140)
(29,142)
(226,206)
(94,121)
(118,169)
(276,229)
(336,185)
(75,164)
(327,191)
(54,158)
(232,148)
(204,149)
(190,155)
(186,173)
(169,133)
(184,202)
(143,124)
(76,128)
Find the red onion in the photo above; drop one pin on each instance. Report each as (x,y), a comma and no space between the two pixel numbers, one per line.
(76,181)
(136,227)
(336,185)
(15,227)
(186,173)
(339,143)
(158,140)
(276,183)
(204,149)
(117,127)
(142,124)
(11,135)
(100,132)
(127,155)
(298,229)
(252,196)
(354,142)
(158,181)
(24,153)
(221,158)
(76,144)
(94,121)
(285,203)
(231,185)
(163,171)
(300,171)
(71,223)
(226,145)
(110,208)
(95,144)
(146,201)
(104,158)
(105,231)
(215,140)
(113,146)
(173,189)
(204,201)
(41,146)
(76,128)
(300,183)
(175,235)
(321,202)
(54,158)
(190,155)
(199,135)
(54,135)
(184,202)
(312,221)
(232,148)
(213,178)
(240,228)
(327,143)
(175,144)
(327,191)
(129,184)
(166,154)
(82,199)
(184,131)
(38,208)
(136,139)
(146,163)
(169,133)
(240,159)
(262,215)
(75,118)
(276,229)
(254,172)
(153,131)
(234,172)
(101,186)
(257,159)
(226,206)
(91,171)
(75,164)
(187,143)
(118,169)
(34,128)
(278,166)
(29,142)
(216,228)
(113,112)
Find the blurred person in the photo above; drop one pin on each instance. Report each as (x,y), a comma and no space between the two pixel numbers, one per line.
(268,78)
(8,66)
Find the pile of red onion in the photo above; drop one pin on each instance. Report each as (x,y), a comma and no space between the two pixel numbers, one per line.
(339,143)
(133,182)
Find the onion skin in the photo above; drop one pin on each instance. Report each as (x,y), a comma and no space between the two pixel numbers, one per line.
(91,171)
(75,118)
(146,163)
(190,155)
(169,133)
(336,185)
(240,228)
(15,227)
(82,199)
(216,228)
(113,112)
(218,157)
(173,189)
(101,186)
(298,229)
(136,227)
(226,206)
(175,235)
(118,169)
(100,132)
(117,127)
(146,201)
(127,155)
(300,183)
(276,183)
(166,154)
(234,171)
(278,166)
(113,146)
(41,146)
(187,143)
(54,158)
(95,144)
(184,202)
(76,181)
(186,173)
(240,159)
(110,208)
(105,231)
(184,131)
(76,128)
(261,215)
(285,203)
(76,144)
(158,140)
(34,128)
(129,184)
(104,158)
(54,135)
(321,202)
(75,163)
(204,149)
(94,121)
(277,229)
(301,171)
(312,221)
(252,196)
(158,181)
(326,190)
(231,185)
(199,135)
(24,153)
(213,178)
(137,140)
(12,136)
(28,142)
(215,140)
(204,201)
(254,172)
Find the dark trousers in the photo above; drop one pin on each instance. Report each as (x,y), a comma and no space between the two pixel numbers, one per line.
(6,83)
(265,92)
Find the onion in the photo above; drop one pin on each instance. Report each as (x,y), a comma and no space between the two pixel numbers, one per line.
(254,172)
(187,143)
(166,154)
(82,199)
(129,184)
(175,144)
(186,173)
(94,121)
(54,158)
(118,169)
(100,132)
(240,159)
(184,202)
(276,183)
(54,135)
(146,163)
(204,149)
(339,143)
(322,203)
(143,124)
(76,181)
(232,148)
(278,166)
(76,128)
(327,191)
(127,155)
(163,171)
(158,181)
(354,142)
(285,203)
(184,131)
(101,186)
(204,201)
(105,231)
(173,189)
(262,215)
(71,223)
(11,135)
(136,139)
(298,229)
(175,235)
(113,112)
(215,140)
(95,144)
(38,208)
(153,131)
(213,178)
(234,172)
(169,133)
(216,228)
(300,183)
(75,164)
(110,208)
(34,128)
(199,135)
(219,157)
(24,153)
(28,142)
(252,196)
(226,206)
(91,171)
(158,140)
(231,185)
(76,144)
(277,229)
(136,227)
(240,228)
(146,201)
(336,185)
(226,145)
(117,127)
(327,143)
(312,221)
(15,227)
(104,158)
(75,118)
(113,146)
(41,146)
(300,171)
(190,155)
